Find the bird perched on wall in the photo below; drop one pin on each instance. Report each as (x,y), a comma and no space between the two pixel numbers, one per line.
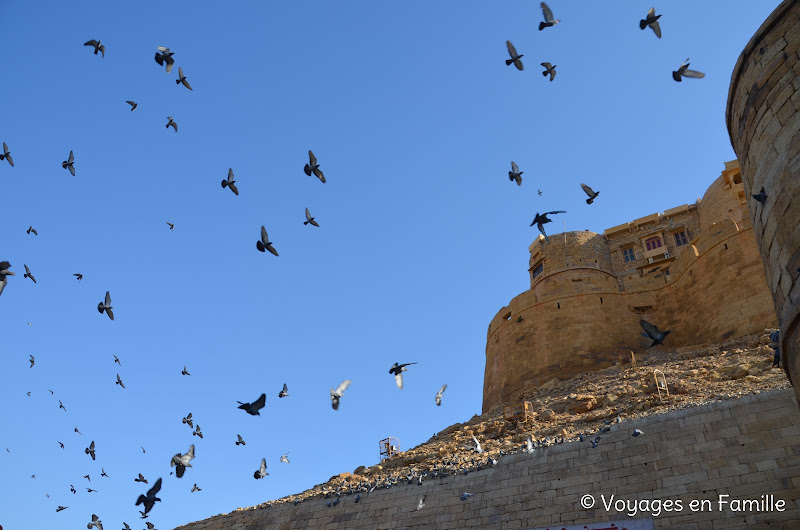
(548,17)
(140,478)
(397,370)
(636,432)
(310,219)
(652,21)
(549,69)
(119,382)
(776,358)
(529,444)
(132,104)
(96,523)
(653,333)
(150,499)
(69,164)
(515,174)
(439,395)
(106,306)
(230,182)
(240,440)
(163,55)
(32,229)
(466,496)
(590,192)
(541,220)
(421,503)
(337,394)
(188,421)
(261,472)
(98,47)
(683,71)
(761,196)
(172,123)
(516,58)
(6,155)
(285,458)
(182,79)
(313,167)
(254,407)
(78,276)
(265,243)
(285,392)
(4,274)
(28,273)
(90,450)
(181,462)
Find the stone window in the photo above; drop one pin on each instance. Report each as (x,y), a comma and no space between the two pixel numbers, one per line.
(680,238)
(628,255)
(653,243)
(538,269)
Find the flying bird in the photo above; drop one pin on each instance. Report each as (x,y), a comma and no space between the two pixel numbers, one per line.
(539,192)
(240,440)
(4,274)
(142,448)
(106,306)
(28,273)
(6,154)
(313,167)
(516,58)
(33,361)
(181,462)
(198,432)
(61,444)
(230,182)
(90,490)
(96,523)
(132,104)
(32,229)
(97,46)
(397,370)
(265,243)
(262,471)
(126,526)
(151,526)
(421,504)
(171,123)
(103,473)
(90,450)
(76,429)
(683,71)
(337,394)
(140,478)
(549,69)
(78,275)
(61,405)
(150,499)
(254,407)
(69,163)
(72,489)
(548,18)
(285,392)
(515,173)
(182,79)
(590,192)
(119,382)
(195,488)
(541,220)
(188,420)
(116,360)
(761,196)
(61,508)
(285,458)
(310,219)
(652,21)
(439,395)
(163,55)
(171,225)
(184,371)
(653,333)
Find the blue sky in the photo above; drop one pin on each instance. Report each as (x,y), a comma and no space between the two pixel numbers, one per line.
(414,118)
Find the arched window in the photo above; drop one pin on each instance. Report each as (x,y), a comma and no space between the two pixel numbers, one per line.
(653,243)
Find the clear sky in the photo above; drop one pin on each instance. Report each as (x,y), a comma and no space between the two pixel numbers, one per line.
(414,118)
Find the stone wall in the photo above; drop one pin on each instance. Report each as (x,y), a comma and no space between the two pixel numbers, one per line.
(764,127)
(743,448)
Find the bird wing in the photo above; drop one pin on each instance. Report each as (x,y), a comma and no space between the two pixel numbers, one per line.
(189,455)
(272,249)
(649,328)
(320,175)
(548,14)
(398,378)
(131,103)
(233,188)
(260,402)
(27,270)
(108,298)
(173,125)
(285,388)
(589,191)
(693,73)
(71,158)
(312,160)
(514,167)
(155,489)
(230,174)
(559,211)
(343,386)
(185,83)
(90,43)
(308,215)
(180,72)
(264,238)
(71,169)
(656,28)
(547,65)
(511,49)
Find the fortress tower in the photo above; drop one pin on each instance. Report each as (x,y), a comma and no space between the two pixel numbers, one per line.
(693,269)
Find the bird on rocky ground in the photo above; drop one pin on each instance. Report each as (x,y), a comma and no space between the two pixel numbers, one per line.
(140,478)
(198,432)
(337,394)
(96,523)
(265,243)
(541,220)
(652,21)
(172,123)
(254,407)
(132,104)
(653,333)
(761,196)
(636,432)
(119,382)
(150,499)
(310,220)
(548,18)
(69,163)
(6,154)
(285,458)
(103,473)
(32,229)
(285,392)
(61,405)
(590,192)
(106,306)
(478,449)
(261,472)
(98,47)
(90,450)
(78,276)
(171,225)
(182,79)
(184,371)
(61,508)
(32,360)
(163,55)
(116,360)
(515,173)
(549,69)
(529,445)
(240,440)
(516,59)
(230,182)
(439,395)
(313,167)
(195,488)
(188,420)
(182,461)
(466,496)
(397,370)
(683,71)
(4,274)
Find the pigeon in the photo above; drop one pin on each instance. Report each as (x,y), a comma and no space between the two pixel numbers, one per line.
(230,182)
(69,163)
(103,473)
(516,58)
(653,333)
(90,450)
(151,526)
(683,71)
(478,449)
(6,154)
(421,503)
(90,490)
(439,395)
(548,18)
(96,523)
(540,221)
(61,508)
(652,21)
(466,496)
(28,273)
(636,432)
(78,276)
(119,382)
(4,274)
(140,478)
(358,498)
(254,407)
(313,167)
(76,429)
(171,225)
(184,371)
(106,306)
(310,219)
(285,392)
(240,440)
(285,458)
(97,46)
(132,104)
(61,444)
(515,173)
(539,192)
(150,499)
(595,442)
(182,79)
(171,123)
(181,461)
(265,243)
(337,394)
(590,192)
(32,229)
(61,405)
(529,445)
(397,370)
(195,488)
(550,69)
(163,55)
(198,432)
(188,420)
(761,196)
(32,360)
(262,471)
(143,451)
(126,526)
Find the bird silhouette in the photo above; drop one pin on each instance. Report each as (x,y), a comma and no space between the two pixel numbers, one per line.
(90,450)
(195,488)
(397,370)
(198,432)
(548,17)
(6,154)
(652,21)
(132,104)
(32,360)
(653,333)
(240,440)
(182,79)
(439,395)
(69,163)
(590,192)
(230,182)
(32,229)
(515,173)
(140,478)
(313,167)
(182,461)
(61,508)
(549,69)
(172,123)
(28,273)
(285,458)
(150,499)
(310,219)
(184,371)
(96,523)
(106,306)
(72,489)
(61,405)
(254,407)
(188,420)
(103,473)
(265,243)
(683,71)
(337,394)
(163,55)
(97,46)
(541,220)
(119,382)
(61,444)
(4,274)
(78,276)
(261,472)
(516,58)
(285,392)
(171,225)
(116,360)
(761,196)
